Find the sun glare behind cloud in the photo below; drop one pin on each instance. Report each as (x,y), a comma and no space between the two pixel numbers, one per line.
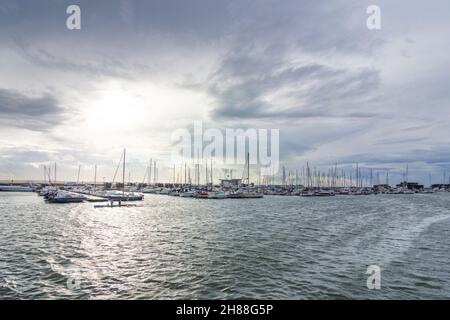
(118,111)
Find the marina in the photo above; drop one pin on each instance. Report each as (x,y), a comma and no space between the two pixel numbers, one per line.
(309,183)
(136,192)
(132,192)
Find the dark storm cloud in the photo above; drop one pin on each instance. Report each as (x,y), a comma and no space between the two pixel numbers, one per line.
(311,91)
(111,26)
(34,113)
(269,53)
(112,35)
(108,21)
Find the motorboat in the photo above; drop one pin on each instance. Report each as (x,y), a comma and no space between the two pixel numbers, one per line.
(202,195)
(324,193)
(245,194)
(318,193)
(66,197)
(217,194)
(163,191)
(151,190)
(188,194)
(174,192)
(308,193)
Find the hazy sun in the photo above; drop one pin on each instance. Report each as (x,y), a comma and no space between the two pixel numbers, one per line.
(137,111)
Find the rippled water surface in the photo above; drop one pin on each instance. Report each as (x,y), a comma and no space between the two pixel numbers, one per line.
(270,248)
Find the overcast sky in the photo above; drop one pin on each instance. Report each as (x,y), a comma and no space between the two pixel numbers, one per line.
(138,70)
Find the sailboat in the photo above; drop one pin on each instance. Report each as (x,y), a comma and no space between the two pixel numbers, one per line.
(247,192)
(119,196)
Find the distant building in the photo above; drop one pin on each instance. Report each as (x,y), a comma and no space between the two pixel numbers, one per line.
(227,183)
(440,186)
(410,185)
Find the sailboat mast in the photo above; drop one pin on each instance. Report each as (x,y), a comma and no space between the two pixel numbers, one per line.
(95,176)
(78,175)
(149,172)
(248,168)
(123,173)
